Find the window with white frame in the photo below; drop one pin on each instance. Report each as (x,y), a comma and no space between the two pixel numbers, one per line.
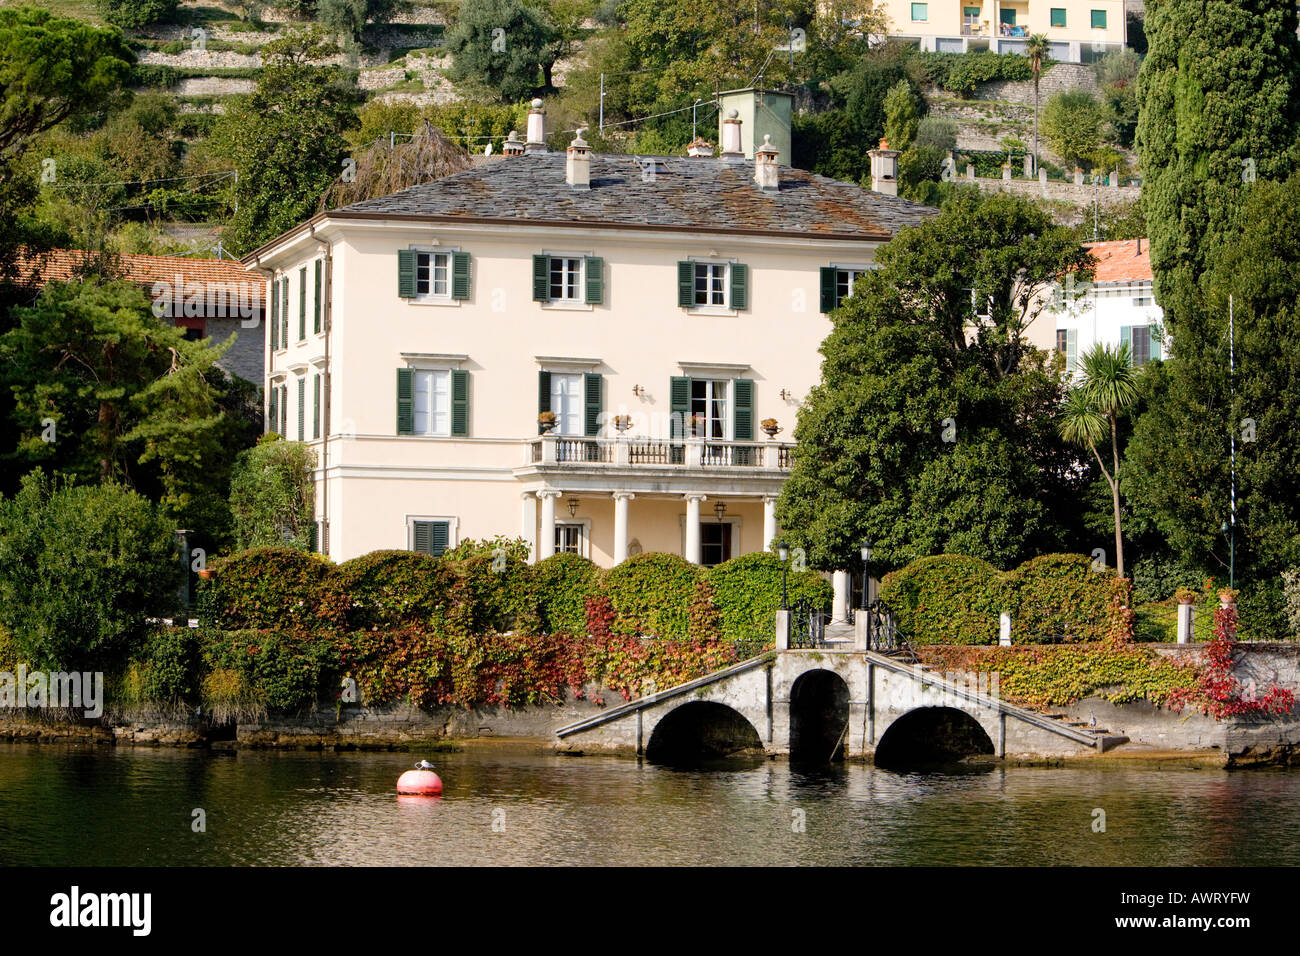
(566,279)
(432,394)
(711,284)
(709,408)
(844,279)
(568,539)
(567,403)
(433,275)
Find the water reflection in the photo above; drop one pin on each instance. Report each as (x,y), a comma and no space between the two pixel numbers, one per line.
(73,806)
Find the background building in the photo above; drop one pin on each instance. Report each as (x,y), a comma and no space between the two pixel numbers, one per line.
(1079,31)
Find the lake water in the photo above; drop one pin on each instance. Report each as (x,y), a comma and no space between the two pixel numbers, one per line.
(77,806)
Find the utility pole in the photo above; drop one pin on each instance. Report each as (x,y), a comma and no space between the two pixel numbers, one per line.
(601,127)
(1232,391)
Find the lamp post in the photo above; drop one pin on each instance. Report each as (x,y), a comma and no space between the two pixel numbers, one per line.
(1231,532)
(783,552)
(866,573)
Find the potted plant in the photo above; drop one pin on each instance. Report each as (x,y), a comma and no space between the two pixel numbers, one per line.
(1186,596)
(771,426)
(546,422)
(622,422)
(1228,595)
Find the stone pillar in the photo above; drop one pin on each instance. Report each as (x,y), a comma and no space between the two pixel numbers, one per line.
(782,630)
(693,528)
(769,521)
(1185,617)
(1078,176)
(550,442)
(546,546)
(621,498)
(970,172)
(1006,172)
(528,524)
(860,631)
(1042,182)
(1004,629)
(840,607)
(1029,165)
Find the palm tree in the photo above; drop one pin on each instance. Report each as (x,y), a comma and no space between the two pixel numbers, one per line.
(1107,389)
(1036,49)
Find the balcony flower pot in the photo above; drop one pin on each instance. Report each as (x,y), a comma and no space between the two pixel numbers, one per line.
(622,422)
(205,573)
(771,426)
(1185,596)
(1227,596)
(546,422)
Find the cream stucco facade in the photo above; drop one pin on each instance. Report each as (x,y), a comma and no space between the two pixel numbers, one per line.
(1078,30)
(704,488)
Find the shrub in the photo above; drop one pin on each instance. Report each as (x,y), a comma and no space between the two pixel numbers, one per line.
(129,14)
(962,72)
(1073,124)
(80,570)
(491,593)
(703,621)
(168,665)
(271,494)
(939,132)
(1059,598)
(398,589)
(287,671)
(560,588)
(396,664)
(651,595)
(947,599)
(271,588)
(1291,599)
(747,591)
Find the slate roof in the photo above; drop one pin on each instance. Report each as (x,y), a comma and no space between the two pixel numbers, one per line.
(694,193)
(1122,260)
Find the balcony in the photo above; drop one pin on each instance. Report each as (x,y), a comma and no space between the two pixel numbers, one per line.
(556,451)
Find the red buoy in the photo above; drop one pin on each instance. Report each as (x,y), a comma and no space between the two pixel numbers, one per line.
(423,783)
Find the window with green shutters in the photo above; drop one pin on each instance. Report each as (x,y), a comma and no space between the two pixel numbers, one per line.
(316,305)
(275,314)
(431,537)
(1099,19)
(460,403)
(315,406)
(302,304)
(460,275)
(712,285)
(1143,342)
(406,273)
(920,11)
(433,274)
(541,278)
(593,402)
(594,274)
(284,312)
(572,279)
(1058,16)
(302,407)
(406,402)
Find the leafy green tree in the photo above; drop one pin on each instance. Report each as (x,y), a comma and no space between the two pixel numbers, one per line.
(1073,123)
(137,13)
(1220,102)
(1106,391)
(286,139)
(80,570)
(351,16)
(933,429)
(105,392)
(500,46)
(938,132)
(902,115)
(1117,75)
(272,495)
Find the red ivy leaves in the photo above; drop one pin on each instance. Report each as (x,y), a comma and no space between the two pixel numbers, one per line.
(1219,693)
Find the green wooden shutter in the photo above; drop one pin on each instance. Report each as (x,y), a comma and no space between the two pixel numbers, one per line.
(686,284)
(743,392)
(284,410)
(460,402)
(284,314)
(1154,331)
(405,401)
(439,537)
(1071,349)
(421,534)
(1126,338)
(594,403)
(302,303)
(460,275)
(406,273)
(275,314)
(595,274)
(541,278)
(543,396)
(739,285)
(829,276)
(679,405)
(315,322)
(315,406)
(272,413)
(302,407)
(312,538)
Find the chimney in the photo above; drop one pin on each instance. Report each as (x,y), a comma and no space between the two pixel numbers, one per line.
(732,151)
(514,146)
(536,129)
(766,171)
(699,147)
(884,169)
(577,163)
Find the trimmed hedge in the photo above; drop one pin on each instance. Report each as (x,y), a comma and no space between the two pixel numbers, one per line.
(271,588)
(747,593)
(651,595)
(954,599)
(394,589)
(561,585)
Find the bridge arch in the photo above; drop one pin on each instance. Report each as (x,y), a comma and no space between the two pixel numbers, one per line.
(930,736)
(701,730)
(819,716)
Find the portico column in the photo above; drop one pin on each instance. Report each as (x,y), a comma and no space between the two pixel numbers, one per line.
(528,524)
(621,498)
(840,607)
(769,521)
(546,546)
(693,528)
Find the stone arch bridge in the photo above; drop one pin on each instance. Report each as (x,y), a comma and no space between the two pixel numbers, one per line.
(819,704)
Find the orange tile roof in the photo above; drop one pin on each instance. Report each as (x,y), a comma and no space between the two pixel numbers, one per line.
(1124,260)
(61,265)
